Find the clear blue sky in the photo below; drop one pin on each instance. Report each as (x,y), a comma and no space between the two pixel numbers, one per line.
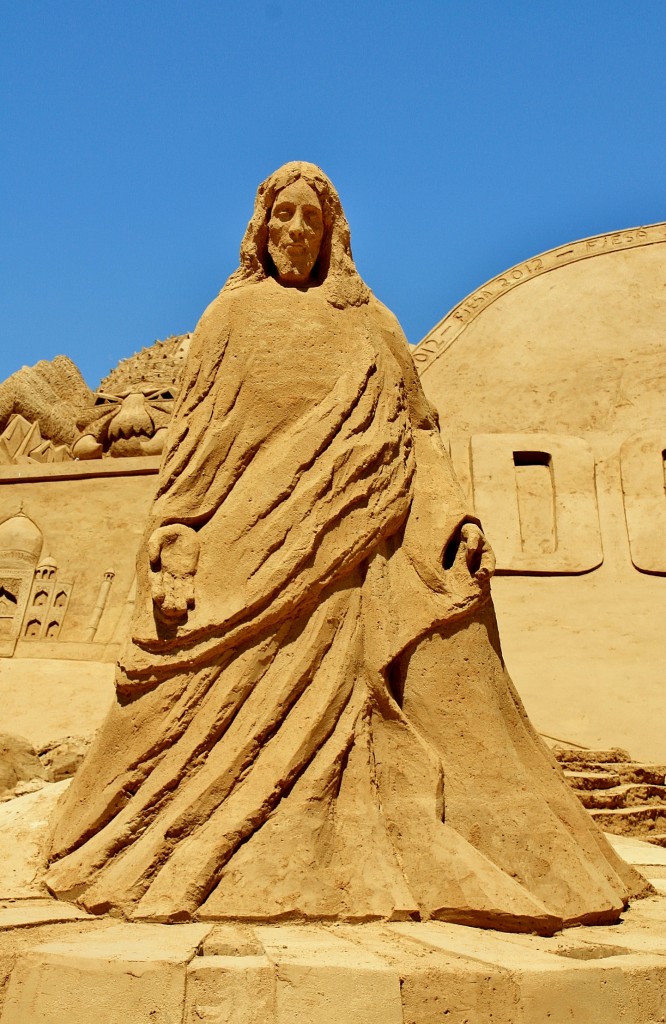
(462,136)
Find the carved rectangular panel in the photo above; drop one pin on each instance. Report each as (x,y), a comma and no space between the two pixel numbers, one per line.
(535,491)
(642,463)
(536,497)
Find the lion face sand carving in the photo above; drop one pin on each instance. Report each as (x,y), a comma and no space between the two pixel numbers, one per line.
(133,405)
(132,422)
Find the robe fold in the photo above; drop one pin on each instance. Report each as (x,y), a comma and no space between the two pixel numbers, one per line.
(299,745)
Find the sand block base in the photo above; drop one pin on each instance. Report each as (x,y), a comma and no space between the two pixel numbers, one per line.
(96,971)
(121,975)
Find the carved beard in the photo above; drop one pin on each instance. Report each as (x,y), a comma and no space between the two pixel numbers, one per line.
(295,262)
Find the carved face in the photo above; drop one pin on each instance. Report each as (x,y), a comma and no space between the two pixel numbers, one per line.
(131,422)
(295,232)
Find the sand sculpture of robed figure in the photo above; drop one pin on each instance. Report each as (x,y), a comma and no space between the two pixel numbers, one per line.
(313,720)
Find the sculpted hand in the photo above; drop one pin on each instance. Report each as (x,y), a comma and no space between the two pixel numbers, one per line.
(478,553)
(173,552)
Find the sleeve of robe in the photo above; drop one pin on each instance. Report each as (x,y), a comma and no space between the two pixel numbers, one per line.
(419,578)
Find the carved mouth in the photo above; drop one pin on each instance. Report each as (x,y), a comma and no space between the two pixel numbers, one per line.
(127,430)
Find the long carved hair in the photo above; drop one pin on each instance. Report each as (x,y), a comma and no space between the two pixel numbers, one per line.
(335,271)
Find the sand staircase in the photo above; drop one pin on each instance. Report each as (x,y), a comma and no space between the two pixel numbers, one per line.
(623,796)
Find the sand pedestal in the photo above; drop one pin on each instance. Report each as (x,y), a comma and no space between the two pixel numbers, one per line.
(62,967)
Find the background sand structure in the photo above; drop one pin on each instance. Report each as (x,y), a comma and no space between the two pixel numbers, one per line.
(550,383)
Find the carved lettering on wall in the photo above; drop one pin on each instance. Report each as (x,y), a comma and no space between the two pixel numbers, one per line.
(642,461)
(443,335)
(536,497)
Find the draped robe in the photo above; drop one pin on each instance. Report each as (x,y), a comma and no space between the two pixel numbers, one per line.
(330,733)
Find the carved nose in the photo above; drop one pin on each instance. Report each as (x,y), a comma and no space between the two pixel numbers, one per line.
(297,227)
(133,420)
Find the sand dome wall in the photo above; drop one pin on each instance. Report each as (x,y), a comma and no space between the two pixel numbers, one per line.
(550,381)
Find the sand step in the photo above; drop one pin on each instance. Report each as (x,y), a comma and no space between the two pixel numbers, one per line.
(614,755)
(630,771)
(653,774)
(586,781)
(633,821)
(624,796)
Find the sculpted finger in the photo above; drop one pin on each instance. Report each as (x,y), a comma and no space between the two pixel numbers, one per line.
(472,536)
(180,596)
(170,600)
(177,599)
(188,592)
(487,564)
(155,547)
(465,532)
(473,548)
(157,589)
